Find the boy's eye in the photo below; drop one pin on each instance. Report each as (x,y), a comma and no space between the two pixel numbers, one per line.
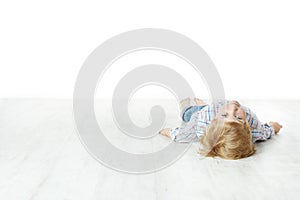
(224,115)
(238,117)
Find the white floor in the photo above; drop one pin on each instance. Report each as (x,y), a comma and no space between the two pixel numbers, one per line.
(41,157)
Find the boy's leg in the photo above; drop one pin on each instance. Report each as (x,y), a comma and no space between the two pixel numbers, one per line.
(185,103)
(187,114)
(199,102)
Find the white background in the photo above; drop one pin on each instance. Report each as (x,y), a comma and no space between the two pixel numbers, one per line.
(254,44)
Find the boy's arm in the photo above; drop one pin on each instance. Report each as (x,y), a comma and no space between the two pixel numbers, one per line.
(187,132)
(261,131)
(183,137)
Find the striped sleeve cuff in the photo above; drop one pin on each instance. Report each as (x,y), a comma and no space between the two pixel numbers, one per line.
(270,129)
(173,133)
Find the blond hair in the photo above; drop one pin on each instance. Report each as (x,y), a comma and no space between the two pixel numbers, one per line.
(227,139)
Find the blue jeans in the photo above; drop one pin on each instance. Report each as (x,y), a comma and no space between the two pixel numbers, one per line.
(189,111)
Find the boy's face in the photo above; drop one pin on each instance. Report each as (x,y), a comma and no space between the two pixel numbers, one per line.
(233,111)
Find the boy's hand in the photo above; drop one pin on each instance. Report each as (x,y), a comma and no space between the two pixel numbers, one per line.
(166,132)
(276,126)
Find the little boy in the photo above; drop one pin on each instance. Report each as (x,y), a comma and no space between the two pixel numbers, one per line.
(224,128)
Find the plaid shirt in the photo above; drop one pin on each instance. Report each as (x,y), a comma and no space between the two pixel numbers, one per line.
(194,129)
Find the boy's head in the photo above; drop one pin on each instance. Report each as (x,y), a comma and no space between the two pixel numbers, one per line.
(228,135)
(232,110)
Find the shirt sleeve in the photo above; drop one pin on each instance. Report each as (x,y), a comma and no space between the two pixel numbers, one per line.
(190,131)
(260,131)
